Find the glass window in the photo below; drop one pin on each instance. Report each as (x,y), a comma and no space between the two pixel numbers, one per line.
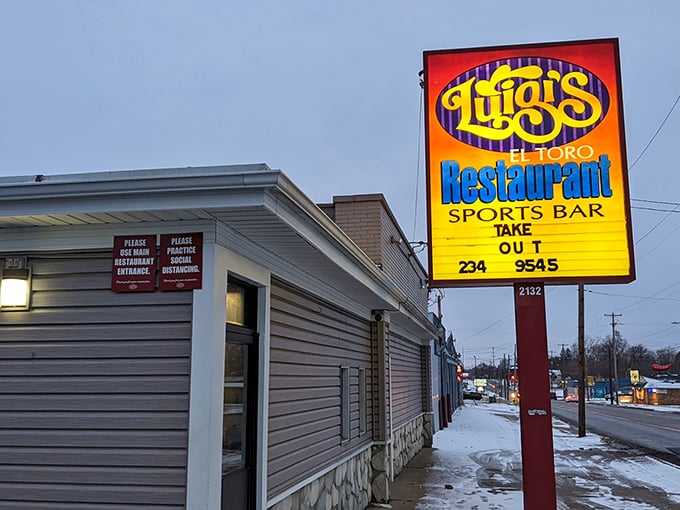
(236,304)
(234,424)
(241,304)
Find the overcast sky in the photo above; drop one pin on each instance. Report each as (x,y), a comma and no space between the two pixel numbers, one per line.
(328,92)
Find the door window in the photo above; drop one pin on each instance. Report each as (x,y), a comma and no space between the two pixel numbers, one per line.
(235,412)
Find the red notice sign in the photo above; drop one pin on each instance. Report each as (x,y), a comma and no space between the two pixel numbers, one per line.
(181,261)
(134,264)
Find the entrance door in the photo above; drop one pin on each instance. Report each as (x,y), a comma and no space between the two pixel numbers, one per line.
(239,429)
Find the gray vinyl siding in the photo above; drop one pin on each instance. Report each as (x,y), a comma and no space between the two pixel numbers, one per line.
(310,341)
(408,383)
(399,262)
(93,392)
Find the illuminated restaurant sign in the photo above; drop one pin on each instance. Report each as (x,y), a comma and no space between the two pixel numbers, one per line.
(526,165)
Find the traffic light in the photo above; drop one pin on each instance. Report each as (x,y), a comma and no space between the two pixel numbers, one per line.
(513,377)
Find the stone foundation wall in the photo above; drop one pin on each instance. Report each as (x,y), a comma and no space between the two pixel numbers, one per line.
(428,429)
(388,460)
(382,472)
(347,487)
(408,440)
(365,477)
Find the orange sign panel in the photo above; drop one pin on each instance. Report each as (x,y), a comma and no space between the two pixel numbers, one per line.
(526,165)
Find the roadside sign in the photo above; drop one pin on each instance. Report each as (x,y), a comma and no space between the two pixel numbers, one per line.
(526,165)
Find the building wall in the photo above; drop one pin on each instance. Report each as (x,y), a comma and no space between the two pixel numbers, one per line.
(310,341)
(93,392)
(368,220)
(656,396)
(400,262)
(404,421)
(411,390)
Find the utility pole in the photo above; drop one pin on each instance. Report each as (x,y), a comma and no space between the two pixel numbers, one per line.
(562,363)
(474,372)
(611,383)
(504,380)
(581,364)
(616,372)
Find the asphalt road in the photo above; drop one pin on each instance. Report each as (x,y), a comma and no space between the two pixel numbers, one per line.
(654,431)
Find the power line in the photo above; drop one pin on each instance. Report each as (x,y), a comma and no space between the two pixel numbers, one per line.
(656,133)
(420,132)
(490,326)
(654,201)
(640,299)
(675,210)
(668,236)
(668,328)
(640,156)
(631,297)
(658,224)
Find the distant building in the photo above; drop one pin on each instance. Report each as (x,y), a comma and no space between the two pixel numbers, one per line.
(447,379)
(657,391)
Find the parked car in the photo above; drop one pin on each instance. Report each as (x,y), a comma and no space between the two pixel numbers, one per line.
(472,395)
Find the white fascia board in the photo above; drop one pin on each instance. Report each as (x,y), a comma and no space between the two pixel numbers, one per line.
(143,194)
(126,176)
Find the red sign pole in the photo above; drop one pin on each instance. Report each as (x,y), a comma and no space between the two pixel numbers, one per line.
(538,467)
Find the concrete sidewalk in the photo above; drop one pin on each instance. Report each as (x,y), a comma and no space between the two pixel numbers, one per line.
(476,464)
(425,483)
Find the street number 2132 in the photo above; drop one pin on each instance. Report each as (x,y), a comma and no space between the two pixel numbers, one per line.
(530,290)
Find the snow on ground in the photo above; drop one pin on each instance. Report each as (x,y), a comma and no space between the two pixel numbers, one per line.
(476,464)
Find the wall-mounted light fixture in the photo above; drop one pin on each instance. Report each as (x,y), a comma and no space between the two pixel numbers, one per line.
(15,284)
